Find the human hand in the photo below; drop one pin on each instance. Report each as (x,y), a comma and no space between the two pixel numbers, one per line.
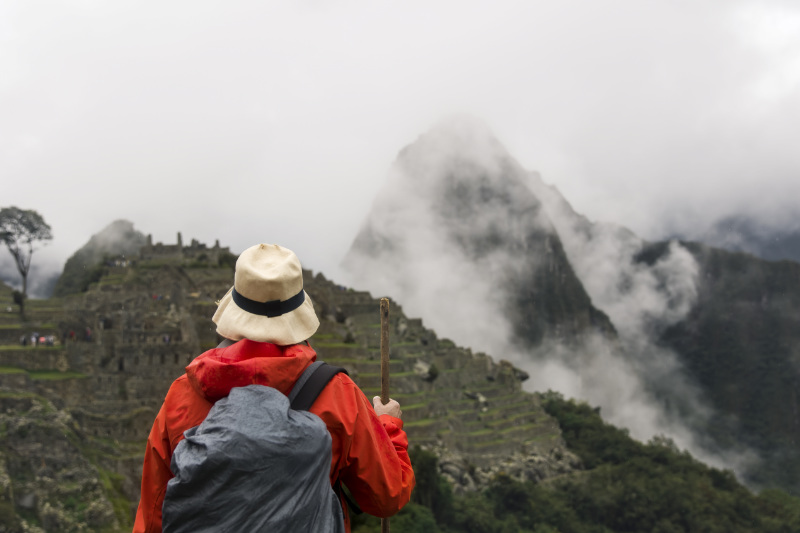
(392,408)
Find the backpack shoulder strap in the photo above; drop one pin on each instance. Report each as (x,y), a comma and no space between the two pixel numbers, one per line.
(306,389)
(311,383)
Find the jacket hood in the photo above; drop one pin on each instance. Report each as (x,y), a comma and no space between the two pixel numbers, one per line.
(214,373)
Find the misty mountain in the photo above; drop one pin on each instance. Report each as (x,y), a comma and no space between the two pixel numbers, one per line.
(741,233)
(456,223)
(494,258)
(85,266)
(491,256)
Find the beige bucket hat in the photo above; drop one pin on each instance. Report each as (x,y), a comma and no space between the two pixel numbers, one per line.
(267,302)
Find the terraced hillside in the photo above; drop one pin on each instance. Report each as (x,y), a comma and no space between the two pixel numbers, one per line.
(452,398)
(116,348)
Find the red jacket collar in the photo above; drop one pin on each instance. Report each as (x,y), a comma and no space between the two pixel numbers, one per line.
(214,373)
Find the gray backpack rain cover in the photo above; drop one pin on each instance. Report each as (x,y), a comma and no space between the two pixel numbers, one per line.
(254,464)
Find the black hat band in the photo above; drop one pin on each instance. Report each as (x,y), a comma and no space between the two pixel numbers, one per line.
(270,309)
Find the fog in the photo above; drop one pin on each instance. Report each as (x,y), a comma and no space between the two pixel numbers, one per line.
(644,387)
(417,248)
(265,121)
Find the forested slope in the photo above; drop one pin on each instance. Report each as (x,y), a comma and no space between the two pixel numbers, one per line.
(625,487)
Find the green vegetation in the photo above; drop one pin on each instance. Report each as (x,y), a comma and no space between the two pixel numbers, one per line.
(323,345)
(421,422)
(54,375)
(32,349)
(8,516)
(324,336)
(738,343)
(227,259)
(78,278)
(627,486)
(48,375)
(19,230)
(112,483)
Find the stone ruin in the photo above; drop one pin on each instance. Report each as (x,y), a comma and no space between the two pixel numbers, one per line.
(195,251)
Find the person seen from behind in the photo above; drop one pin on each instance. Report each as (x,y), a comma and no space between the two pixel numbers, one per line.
(266,319)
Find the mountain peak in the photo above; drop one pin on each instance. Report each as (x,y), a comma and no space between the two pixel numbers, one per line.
(457,140)
(118,238)
(457,223)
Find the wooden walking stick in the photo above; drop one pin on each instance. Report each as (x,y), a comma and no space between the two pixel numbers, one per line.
(384,350)
(384,372)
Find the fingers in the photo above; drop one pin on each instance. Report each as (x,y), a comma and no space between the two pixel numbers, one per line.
(391,408)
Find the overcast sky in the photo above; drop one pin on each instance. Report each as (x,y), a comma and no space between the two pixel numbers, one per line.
(277,122)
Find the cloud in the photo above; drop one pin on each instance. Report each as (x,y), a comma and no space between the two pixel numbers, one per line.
(225,122)
(643,386)
(42,276)
(460,230)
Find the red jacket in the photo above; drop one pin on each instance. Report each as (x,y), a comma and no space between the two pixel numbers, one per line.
(370,453)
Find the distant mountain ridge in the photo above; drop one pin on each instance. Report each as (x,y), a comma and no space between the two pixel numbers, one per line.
(496,259)
(743,233)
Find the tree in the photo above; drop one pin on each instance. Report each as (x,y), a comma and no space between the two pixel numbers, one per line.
(20,229)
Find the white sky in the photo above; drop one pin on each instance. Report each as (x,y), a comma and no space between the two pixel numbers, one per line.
(277,121)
